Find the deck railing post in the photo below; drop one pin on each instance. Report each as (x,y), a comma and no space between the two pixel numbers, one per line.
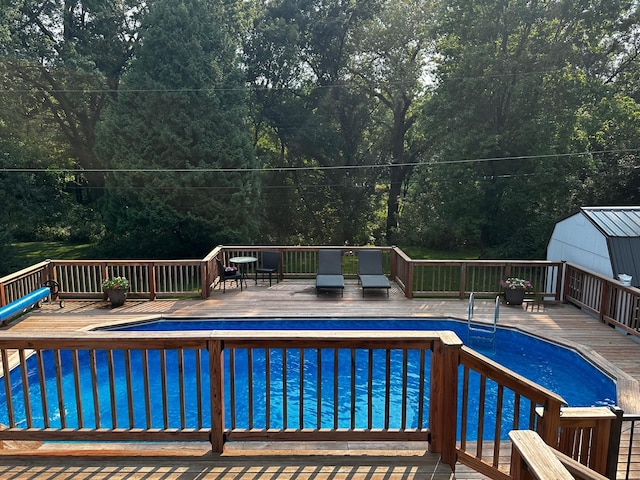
(565,281)
(104,268)
(615,435)
(550,422)
(605,293)
(463,280)
(443,406)
(152,281)
(409,280)
(393,263)
(216,369)
(204,280)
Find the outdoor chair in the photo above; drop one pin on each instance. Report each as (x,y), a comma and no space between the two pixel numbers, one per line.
(370,273)
(270,265)
(226,276)
(329,275)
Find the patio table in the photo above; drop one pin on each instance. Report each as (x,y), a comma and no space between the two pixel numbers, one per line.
(243,263)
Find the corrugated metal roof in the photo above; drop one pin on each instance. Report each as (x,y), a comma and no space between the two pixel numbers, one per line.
(615,221)
(625,257)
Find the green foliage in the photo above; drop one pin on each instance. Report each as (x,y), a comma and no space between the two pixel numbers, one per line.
(7,261)
(456,125)
(69,56)
(310,119)
(175,136)
(503,123)
(115,283)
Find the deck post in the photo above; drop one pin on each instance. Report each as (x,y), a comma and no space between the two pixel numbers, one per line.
(408,286)
(605,295)
(216,369)
(613,449)
(152,281)
(393,263)
(549,426)
(463,280)
(443,405)
(565,281)
(104,268)
(204,283)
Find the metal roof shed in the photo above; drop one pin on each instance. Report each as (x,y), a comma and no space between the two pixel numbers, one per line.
(603,239)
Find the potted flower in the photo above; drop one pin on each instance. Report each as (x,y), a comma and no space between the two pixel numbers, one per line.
(514,289)
(116,289)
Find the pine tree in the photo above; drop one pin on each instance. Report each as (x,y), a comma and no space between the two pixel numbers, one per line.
(177,138)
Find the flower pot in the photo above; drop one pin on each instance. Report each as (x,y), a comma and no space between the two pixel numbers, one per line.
(514,296)
(117,296)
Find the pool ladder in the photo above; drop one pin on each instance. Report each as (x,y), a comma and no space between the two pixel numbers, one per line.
(485,332)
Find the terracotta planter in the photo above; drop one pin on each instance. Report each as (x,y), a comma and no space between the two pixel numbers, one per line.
(514,296)
(117,296)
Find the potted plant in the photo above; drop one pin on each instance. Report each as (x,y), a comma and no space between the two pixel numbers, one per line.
(116,289)
(514,289)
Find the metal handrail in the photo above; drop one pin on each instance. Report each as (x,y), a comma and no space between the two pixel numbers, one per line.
(482,329)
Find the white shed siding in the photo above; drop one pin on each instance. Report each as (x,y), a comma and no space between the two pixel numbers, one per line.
(576,240)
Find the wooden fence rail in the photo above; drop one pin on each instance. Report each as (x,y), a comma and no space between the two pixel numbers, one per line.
(165,386)
(195,278)
(501,401)
(613,303)
(169,386)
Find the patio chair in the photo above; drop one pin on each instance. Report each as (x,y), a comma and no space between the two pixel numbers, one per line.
(270,265)
(329,275)
(227,275)
(370,274)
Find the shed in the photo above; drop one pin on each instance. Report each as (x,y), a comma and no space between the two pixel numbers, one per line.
(605,240)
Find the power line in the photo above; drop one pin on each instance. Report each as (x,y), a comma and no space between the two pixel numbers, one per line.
(311,168)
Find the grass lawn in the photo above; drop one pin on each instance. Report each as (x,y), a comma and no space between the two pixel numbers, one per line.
(30,253)
(422,253)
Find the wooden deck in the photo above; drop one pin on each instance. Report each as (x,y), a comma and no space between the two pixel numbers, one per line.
(615,353)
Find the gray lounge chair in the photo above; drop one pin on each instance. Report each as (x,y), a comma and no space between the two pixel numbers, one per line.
(329,275)
(370,274)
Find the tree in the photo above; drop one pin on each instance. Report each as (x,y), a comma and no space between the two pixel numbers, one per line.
(311,122)
(390,64)
(512,78)
(176,138)
(71,55)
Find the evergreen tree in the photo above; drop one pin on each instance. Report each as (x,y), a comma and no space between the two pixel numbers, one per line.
(176,136)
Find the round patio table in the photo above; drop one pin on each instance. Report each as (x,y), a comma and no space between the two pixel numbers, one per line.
(243,263)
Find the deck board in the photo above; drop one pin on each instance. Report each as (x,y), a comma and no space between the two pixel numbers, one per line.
(614,352)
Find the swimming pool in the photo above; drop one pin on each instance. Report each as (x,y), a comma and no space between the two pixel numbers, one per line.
(558,369)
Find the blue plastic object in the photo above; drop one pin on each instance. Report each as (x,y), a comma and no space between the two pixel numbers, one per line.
(23,304)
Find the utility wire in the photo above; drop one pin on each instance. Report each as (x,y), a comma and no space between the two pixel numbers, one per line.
(309,168)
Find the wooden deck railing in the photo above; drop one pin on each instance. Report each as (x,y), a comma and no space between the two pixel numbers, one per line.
(19,284)
(225,386)
(584,435)
(277,386)
(188,278)
(172,388)
(612,302)
(501,401)
(532,458)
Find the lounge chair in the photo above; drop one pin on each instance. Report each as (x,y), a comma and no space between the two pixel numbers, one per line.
(370,274)
(329,275)
(270,265)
